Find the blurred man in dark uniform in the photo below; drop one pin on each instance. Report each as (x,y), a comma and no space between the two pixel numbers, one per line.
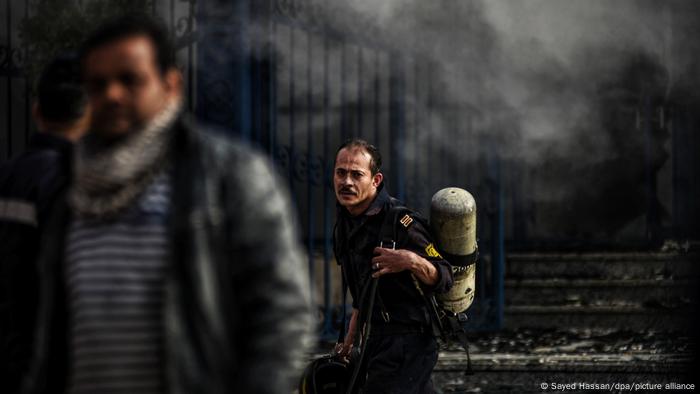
(401,351)
(172,265)
(29,185)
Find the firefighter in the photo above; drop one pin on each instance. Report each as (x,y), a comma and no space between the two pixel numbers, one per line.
(400,351)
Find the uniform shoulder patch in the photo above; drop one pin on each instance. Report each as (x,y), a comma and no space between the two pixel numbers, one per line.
(431,251)
(406,220)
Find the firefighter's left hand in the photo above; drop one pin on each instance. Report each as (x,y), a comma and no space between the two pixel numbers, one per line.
(389,261)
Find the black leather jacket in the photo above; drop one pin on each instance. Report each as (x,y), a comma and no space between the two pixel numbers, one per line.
(237,312)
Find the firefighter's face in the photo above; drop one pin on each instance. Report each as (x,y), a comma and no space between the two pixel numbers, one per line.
(355,186)
(125,86)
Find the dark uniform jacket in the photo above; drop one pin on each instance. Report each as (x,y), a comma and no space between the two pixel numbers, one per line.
(236,309)
(398,301)
(29,185)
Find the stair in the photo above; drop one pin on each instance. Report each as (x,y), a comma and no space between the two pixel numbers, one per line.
(617,322)
(655,290)
(524,360)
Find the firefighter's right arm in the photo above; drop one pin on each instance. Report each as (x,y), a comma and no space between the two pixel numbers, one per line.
(343,349)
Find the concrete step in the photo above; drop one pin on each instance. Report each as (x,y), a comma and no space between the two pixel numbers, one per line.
(528,381)
(622,316)
(661,265)
(548,292)
(455,361)
(565,372)
(521,361)
(629,290)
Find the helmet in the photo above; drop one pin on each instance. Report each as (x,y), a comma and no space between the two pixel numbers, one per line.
(325,375)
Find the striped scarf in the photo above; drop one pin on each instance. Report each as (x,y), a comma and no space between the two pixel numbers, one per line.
(108,176)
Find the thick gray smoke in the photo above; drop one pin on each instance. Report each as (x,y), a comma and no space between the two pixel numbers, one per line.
(563,87)
(574,96)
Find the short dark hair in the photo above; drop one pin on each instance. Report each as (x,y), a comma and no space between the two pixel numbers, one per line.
(375,163)
(60,95)
(130,25)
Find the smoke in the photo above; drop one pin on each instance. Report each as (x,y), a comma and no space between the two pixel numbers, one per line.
(558,88)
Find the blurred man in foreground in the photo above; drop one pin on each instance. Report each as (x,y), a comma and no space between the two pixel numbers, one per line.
(173,265)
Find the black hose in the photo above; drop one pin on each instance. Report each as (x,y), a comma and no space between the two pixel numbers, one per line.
(367,328)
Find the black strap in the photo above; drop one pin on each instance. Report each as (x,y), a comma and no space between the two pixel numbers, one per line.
(341,334)
(461,260)
(461,335)
(362,333)
(389,229)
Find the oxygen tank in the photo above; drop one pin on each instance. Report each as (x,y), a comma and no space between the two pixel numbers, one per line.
(453,224)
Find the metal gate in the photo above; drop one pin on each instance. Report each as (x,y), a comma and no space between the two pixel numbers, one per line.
(18,56)
(278,75)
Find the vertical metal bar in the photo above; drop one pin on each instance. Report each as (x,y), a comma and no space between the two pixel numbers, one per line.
(292,113)
(498,247)
(481,287)
(327,232)
(256,94)
(243,70)
(675,124)
(444,152)
(455,160)
(650,177)
(190,58)
(272,113)
(260,89)
(458,135)
(9,79)
(172,17)
(359,92)
(398,121)
(416,130)
(519,203)
(343,91)
(376,98)
(429,129)
(309,188)
(27,84)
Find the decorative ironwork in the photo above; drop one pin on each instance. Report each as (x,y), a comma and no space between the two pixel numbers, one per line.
(310,12)
(316,171)
(282,158)
(340,20)
(12,61)
(183,29)
(306,168)
(5,58)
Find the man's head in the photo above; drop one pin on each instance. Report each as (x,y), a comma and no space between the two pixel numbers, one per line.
(357,175)
(129,71)
(61,106)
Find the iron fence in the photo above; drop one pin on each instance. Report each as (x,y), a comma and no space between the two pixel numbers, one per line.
(281,76)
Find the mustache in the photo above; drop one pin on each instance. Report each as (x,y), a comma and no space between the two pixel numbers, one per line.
(347,189)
